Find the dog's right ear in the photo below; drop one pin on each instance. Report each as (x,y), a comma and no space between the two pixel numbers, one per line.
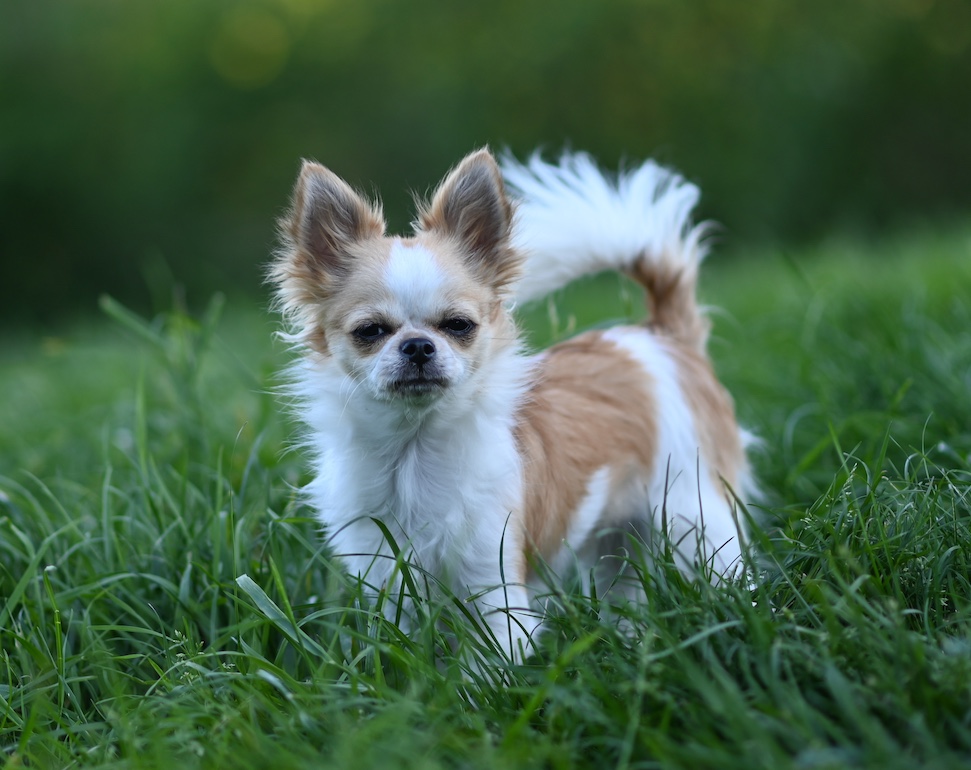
(326,219)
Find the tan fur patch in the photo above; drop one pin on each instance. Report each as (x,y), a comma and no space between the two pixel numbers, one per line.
(670,284)
(590,406)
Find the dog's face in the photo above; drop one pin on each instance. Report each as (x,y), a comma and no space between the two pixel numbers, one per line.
(408,319)
(412,321)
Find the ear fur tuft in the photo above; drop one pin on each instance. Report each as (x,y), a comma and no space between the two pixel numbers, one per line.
(327,217)
(325,220)
(470,206)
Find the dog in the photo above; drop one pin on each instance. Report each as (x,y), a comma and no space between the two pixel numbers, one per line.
(440,442)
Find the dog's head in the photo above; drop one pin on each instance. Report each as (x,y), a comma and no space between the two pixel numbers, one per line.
(407,318)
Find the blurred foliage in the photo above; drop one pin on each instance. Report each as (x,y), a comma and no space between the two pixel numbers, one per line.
(145,140)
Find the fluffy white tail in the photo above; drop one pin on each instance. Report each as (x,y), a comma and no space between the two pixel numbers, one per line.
(572,220)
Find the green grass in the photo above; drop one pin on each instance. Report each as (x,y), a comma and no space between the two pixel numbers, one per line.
(164,601)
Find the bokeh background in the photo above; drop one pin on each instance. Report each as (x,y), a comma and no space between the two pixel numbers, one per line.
(154,143)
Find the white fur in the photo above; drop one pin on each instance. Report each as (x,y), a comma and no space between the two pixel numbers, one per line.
(415,281)
(572,220)
(411,470)
(699,518)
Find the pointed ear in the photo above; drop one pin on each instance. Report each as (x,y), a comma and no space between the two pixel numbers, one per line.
(471,207)
(326,218)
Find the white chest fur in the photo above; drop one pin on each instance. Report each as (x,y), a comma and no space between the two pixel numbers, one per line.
(444,481)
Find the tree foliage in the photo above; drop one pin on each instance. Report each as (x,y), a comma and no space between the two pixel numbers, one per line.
(152,137)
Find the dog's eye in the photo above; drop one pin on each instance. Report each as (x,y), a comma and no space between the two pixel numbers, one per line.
(458,326)
(370,332)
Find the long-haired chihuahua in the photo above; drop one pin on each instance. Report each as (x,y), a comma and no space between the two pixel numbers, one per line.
(429,422)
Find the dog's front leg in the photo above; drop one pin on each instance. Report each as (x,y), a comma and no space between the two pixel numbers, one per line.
(496,586)
(510,621)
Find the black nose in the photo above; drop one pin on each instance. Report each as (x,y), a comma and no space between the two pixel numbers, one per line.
(418,350)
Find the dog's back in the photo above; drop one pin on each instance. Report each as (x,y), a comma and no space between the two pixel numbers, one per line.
(629,427)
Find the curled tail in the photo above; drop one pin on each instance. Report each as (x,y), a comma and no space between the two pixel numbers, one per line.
(572,220)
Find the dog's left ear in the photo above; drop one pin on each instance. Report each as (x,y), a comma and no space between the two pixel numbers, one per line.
(471,207)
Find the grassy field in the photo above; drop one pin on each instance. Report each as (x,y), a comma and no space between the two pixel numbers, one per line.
(164,601)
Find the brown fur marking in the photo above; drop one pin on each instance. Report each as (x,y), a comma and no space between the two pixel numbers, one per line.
(670,284)
(590,406)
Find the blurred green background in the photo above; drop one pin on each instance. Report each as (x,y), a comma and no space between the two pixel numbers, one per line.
(154,142)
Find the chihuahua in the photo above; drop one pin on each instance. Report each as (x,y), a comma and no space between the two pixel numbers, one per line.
(440,443)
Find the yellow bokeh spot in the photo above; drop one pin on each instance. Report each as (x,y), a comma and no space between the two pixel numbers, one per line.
(250,48)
